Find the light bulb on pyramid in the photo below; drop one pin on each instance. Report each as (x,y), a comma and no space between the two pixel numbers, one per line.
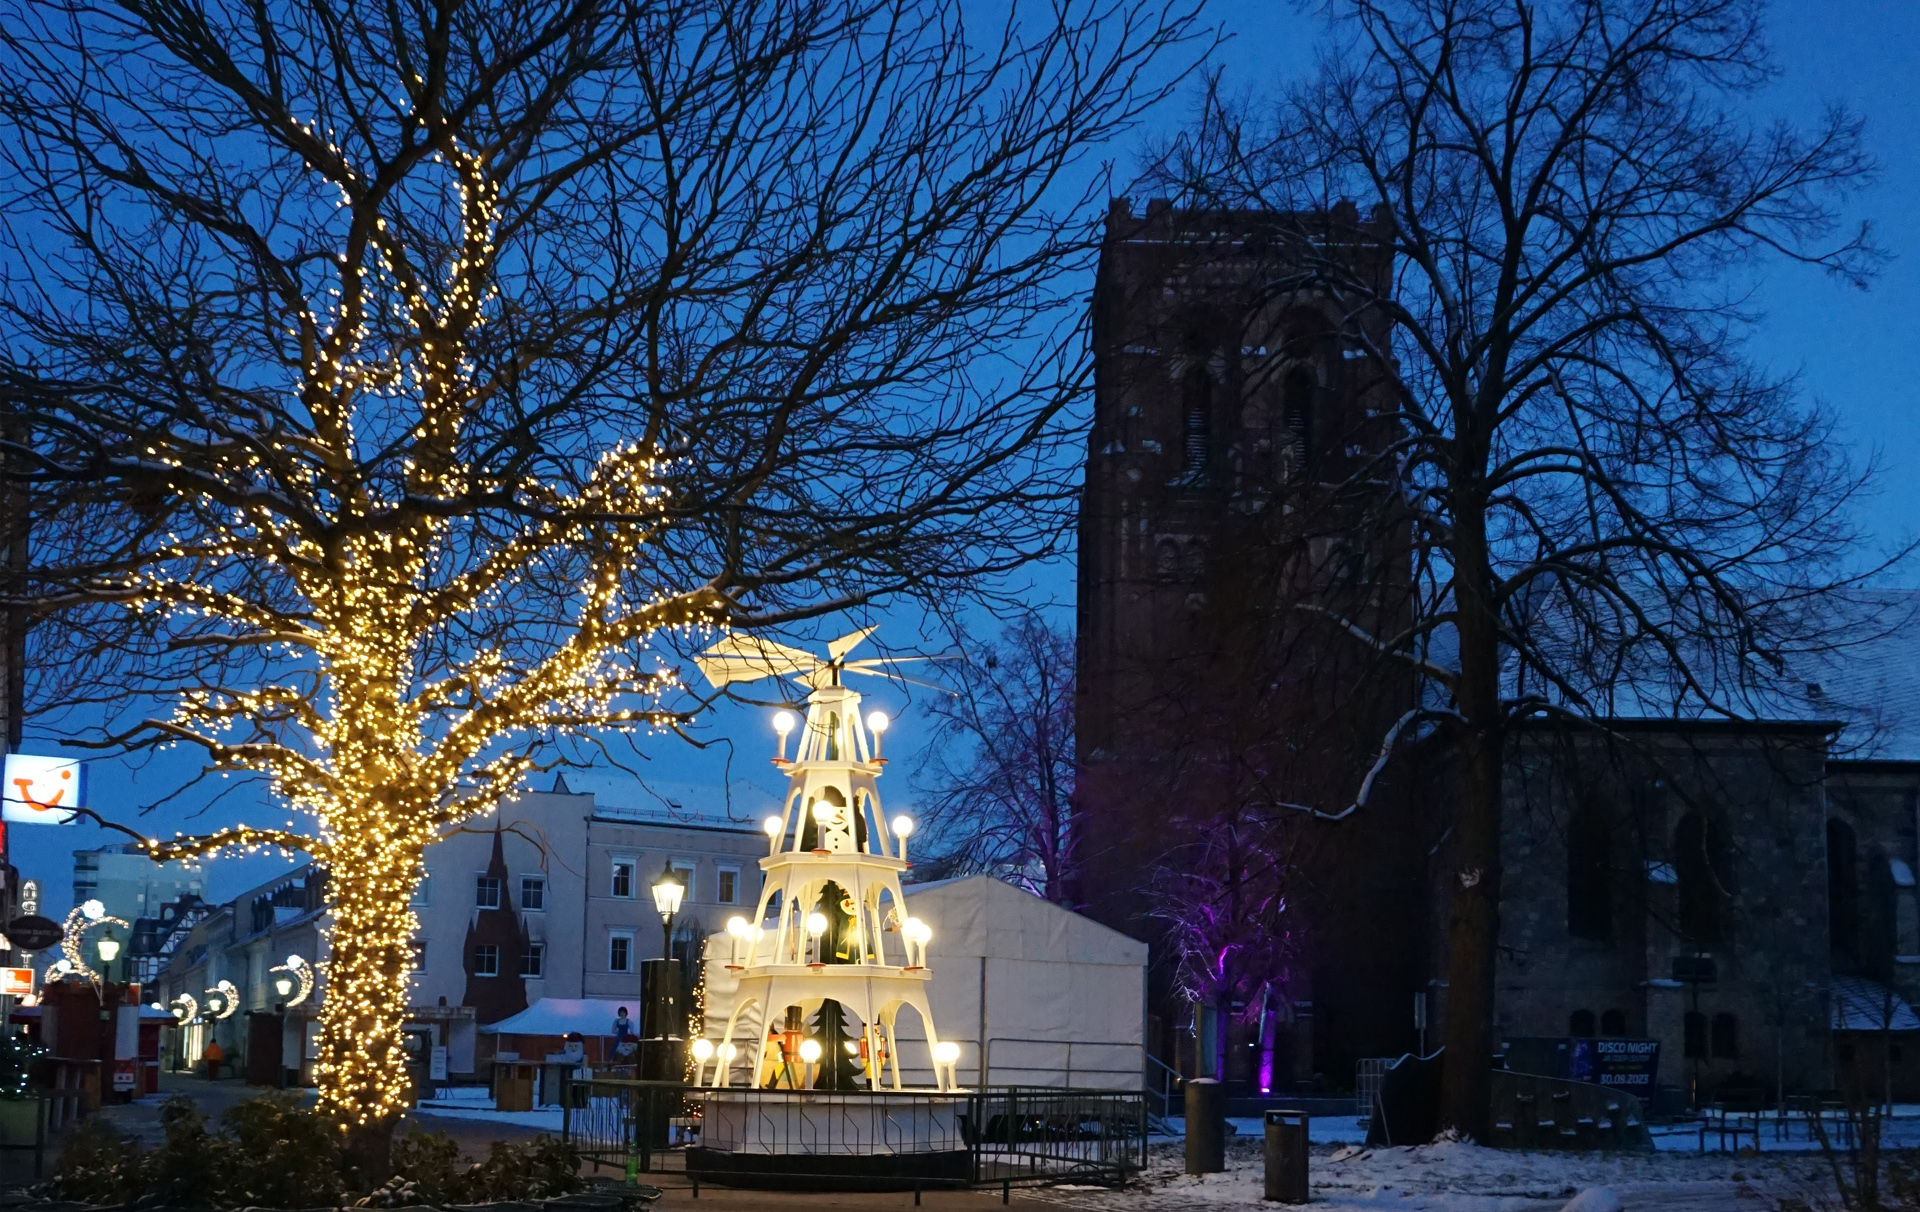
(831,938)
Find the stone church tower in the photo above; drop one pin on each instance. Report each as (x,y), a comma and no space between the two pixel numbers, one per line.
(1238,513)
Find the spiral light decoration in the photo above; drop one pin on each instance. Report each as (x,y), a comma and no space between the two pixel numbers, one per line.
(229,999)
(82,919)
(303,972)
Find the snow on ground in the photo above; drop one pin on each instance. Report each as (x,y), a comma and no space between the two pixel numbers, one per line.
(1452,1177)
(471,1109)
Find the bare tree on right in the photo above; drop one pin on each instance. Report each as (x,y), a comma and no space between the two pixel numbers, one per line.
(1612,508)
(999,775)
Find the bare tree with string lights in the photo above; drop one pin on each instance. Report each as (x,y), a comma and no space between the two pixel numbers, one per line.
(394,386)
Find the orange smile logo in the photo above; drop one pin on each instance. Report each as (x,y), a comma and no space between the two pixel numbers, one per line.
(26,794)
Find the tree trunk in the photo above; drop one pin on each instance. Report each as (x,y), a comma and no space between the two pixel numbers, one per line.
(368,1154)
(362,1067)
(1473,937)
(1473,933)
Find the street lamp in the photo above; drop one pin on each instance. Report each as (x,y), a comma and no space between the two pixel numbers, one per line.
(108,947)
(668,891)
(283,985)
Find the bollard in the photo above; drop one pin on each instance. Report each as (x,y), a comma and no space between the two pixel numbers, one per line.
(1287,1156)
(1206,1126)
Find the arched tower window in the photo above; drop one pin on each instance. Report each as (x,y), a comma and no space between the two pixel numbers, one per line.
(1693,1036)
(1695,863)
(1589,883)
(1726,1037)
(1580,1024)
(1196,408)
(1613,1023)
(1843,890)
(1297,395)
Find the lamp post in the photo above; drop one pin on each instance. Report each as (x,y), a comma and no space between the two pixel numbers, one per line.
(668,891)
(662,1023)
(108,947)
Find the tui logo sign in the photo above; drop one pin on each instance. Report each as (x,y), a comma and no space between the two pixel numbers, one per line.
(43,790)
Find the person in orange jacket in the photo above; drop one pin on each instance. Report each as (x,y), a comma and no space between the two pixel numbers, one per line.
(213,1056)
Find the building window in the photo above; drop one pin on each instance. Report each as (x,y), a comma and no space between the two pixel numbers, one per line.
(1696,861)
(1694,1037)
(533,893)
(533,961)
(726,886)
(486,892)
(1580,1024)
(623,877)
(1613,1023)
(486,960)
(1726,1037)
(1196,392)
(1589,883)
(1843,890)
(423,891)
(684,870)
(419,955)
(1298,394)
(620,953)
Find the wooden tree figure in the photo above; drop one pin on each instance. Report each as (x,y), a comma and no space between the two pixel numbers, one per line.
(841,1066)
(839,944)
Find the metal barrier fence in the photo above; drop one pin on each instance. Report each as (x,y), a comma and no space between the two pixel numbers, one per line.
(879,1140)
(1081,1064)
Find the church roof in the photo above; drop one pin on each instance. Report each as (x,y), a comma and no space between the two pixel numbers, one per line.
(1863,1005)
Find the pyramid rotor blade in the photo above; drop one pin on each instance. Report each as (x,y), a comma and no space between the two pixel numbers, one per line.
(848,642)
(869,664)
(748,658)
(869,669)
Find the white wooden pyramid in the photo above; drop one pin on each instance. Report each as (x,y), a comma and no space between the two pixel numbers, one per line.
(832,830)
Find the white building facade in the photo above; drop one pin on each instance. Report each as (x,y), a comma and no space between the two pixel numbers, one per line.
(551,899)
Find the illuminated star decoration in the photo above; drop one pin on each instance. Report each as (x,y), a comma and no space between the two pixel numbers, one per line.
(186,1009)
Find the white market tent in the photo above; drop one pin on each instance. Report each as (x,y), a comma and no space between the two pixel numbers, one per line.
(1034,994)
(561,1015)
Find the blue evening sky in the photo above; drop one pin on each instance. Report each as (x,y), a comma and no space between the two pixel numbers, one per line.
(1856,352)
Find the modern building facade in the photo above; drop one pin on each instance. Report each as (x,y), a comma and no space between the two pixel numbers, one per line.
(131,885)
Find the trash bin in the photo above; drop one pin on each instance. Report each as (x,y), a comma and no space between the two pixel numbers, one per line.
(1287,1156)
(1206,1126)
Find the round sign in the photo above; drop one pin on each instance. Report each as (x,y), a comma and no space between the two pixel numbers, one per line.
(33,932)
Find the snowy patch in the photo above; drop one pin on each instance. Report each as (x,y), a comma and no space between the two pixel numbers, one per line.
(1458,1176)
(549,1121)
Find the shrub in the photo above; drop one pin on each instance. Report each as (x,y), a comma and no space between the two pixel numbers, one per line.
(426,1168)
(99,1166)
(536,1169)
(277,1154)
(270,1152)
(428,1163)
